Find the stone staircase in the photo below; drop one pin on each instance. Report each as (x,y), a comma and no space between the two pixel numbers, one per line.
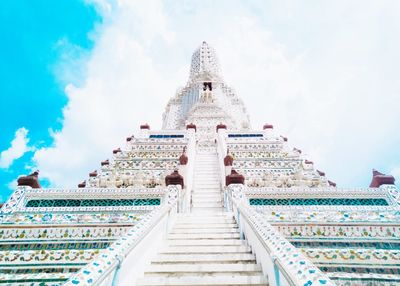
(204,247)
(206,195)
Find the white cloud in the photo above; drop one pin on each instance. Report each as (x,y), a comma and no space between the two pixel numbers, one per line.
(122,90)
(330,86)
(395,172)
(12,185)
(19,146)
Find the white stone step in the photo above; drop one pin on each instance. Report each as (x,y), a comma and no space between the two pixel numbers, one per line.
(205,211)
(201,258)
(205,230)
(202,203)
(214,185)
(203,235)
(205,195)
(206,202)
(208,268)
(206,166)
(203,280)
(205,249)
(218,215)
(214,218)
(197,204)
(210,186)
(202,221)
(205,225)
(209,175)
(216,198)
(206,242)
(201,196)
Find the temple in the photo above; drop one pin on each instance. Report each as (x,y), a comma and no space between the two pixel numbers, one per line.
(206,200)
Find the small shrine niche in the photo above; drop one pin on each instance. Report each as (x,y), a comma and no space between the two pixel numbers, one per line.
(207,85)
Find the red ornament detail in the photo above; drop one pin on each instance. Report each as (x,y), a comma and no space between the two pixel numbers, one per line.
(174,179)
(221,126)
(228,160)
(332,184)
(191,126)
(31,180)
(82,185)
(297,150)
(234,178)
(379,179)
(115,151)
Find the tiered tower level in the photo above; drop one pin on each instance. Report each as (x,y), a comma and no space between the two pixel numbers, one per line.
(205,201)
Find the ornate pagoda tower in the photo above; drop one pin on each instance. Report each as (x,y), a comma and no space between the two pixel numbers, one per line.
(205,201)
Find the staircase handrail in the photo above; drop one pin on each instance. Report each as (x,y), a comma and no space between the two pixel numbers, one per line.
(221,150)
(103,269)
(191,153)
(285,258)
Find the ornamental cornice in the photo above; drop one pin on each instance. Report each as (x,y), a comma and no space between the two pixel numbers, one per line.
(315,215)
(348,232)
(47,256)
(63,233)
(352,255)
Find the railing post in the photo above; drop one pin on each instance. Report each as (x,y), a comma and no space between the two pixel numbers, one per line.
(239,223)
(276,272)
(167,223)
(117,270)
(225,201)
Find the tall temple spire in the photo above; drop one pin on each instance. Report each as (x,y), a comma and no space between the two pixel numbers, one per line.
(204,64)
(205,75)
(214,203)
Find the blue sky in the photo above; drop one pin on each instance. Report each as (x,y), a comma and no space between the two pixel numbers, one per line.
(77,77)
(33,36)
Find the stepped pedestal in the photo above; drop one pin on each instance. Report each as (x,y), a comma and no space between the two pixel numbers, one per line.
(204,247)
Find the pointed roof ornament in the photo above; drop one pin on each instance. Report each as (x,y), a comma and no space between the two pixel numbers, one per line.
(183,159)
(379,179)
(82,185)
(174,179)
(204,64)
(32,180)
(228,160)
